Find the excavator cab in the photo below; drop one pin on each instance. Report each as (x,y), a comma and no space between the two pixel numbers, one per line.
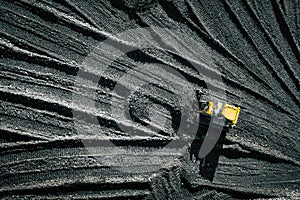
(222,114)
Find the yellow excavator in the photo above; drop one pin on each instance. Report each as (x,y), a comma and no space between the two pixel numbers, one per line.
(219,113)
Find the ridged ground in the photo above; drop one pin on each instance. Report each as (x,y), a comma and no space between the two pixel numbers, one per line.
(252,45)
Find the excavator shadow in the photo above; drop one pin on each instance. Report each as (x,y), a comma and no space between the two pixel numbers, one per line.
(209,163)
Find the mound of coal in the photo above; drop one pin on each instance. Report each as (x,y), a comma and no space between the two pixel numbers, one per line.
(98,99)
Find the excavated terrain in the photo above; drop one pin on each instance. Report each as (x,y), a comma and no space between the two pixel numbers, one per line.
(98,99)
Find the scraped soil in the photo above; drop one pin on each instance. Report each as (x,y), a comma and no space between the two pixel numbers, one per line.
(99,99)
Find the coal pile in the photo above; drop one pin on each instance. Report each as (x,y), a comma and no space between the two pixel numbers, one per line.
(99,99)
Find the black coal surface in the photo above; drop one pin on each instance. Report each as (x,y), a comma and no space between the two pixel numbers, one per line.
(98,99)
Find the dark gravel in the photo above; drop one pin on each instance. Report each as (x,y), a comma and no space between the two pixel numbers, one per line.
(98,99)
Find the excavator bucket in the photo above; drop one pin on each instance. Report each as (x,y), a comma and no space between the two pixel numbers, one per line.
(231,113)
